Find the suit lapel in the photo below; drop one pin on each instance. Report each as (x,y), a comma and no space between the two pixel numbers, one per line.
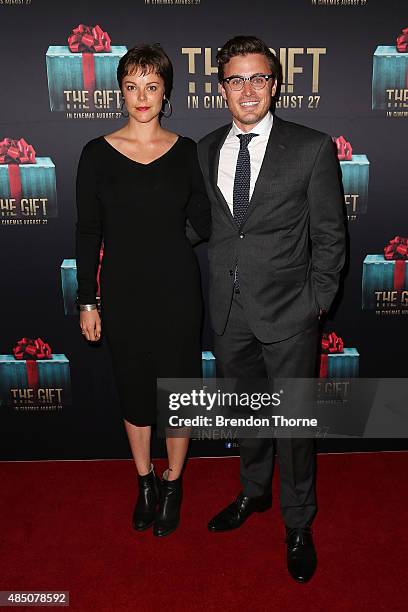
(213,162)
(269,168)
(270,164)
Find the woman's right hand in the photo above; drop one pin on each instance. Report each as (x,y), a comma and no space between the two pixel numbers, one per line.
(90,323)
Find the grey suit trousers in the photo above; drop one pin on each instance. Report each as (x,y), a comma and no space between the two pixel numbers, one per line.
(240,354)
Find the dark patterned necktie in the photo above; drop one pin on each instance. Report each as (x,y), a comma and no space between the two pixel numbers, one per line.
(242,180)
(242,183)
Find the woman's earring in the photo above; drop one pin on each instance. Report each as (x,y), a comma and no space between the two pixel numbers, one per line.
(121,109)
(170,108)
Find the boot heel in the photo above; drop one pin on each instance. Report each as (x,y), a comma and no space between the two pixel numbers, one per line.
(168,514)
(146,504)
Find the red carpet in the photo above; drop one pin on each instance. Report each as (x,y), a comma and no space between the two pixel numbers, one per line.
(66,526)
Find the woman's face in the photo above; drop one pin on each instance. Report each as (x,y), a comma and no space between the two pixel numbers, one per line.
(143,92)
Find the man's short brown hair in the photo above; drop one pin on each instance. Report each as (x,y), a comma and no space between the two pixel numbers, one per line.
(243,45)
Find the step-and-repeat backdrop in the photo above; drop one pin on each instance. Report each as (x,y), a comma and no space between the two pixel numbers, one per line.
(345,72)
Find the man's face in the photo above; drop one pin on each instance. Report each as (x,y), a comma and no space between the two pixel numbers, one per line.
(248,106)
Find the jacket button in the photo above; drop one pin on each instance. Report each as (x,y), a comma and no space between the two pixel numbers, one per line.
(231,272)
(241,235)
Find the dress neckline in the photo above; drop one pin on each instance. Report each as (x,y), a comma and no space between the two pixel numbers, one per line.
(140,163)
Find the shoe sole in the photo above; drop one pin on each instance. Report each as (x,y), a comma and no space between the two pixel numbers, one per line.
(142,528)
(259,511)
(166,533)
(301,580)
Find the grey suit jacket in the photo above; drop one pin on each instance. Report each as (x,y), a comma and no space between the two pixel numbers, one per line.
(290,248)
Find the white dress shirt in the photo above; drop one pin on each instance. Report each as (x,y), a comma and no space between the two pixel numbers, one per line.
(229,156)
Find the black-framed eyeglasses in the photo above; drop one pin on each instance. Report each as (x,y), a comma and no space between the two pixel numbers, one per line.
(258,81)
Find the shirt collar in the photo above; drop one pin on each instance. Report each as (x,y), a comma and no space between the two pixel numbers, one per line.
(262,128)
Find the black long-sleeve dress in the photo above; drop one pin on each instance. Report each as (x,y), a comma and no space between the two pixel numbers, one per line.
(151,305)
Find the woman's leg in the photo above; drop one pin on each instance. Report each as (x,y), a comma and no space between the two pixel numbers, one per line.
(139,440)
(148,497)
(171,492)
(176,452)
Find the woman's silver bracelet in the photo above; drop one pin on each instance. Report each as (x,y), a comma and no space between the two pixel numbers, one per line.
(87,307)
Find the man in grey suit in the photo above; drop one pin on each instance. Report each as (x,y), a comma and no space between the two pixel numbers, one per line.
(275,256)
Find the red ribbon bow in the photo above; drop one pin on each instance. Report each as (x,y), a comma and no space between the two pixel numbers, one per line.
(344,148)
(16,152)
(397,248)
(88,39)
(397,251)
(331,343)
(402,41)
(31,350)
(27,348)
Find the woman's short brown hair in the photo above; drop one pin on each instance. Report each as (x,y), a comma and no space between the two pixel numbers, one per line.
(149,58)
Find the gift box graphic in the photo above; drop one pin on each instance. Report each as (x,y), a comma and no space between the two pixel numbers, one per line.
(355,175)
(32,366)
(208,364)
(88,63)
(70,284)
(385,277)
(27,182)
(390,72)
(337,361)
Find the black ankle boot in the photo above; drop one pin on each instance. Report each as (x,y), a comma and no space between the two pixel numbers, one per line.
(168,514)
(148,498)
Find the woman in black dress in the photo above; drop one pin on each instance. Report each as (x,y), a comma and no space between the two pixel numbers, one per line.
(135,189)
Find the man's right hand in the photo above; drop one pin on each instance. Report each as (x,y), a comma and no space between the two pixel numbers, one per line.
(90,323)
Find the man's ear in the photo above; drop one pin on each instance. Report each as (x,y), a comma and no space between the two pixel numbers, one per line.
(222,91)
(274,87)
